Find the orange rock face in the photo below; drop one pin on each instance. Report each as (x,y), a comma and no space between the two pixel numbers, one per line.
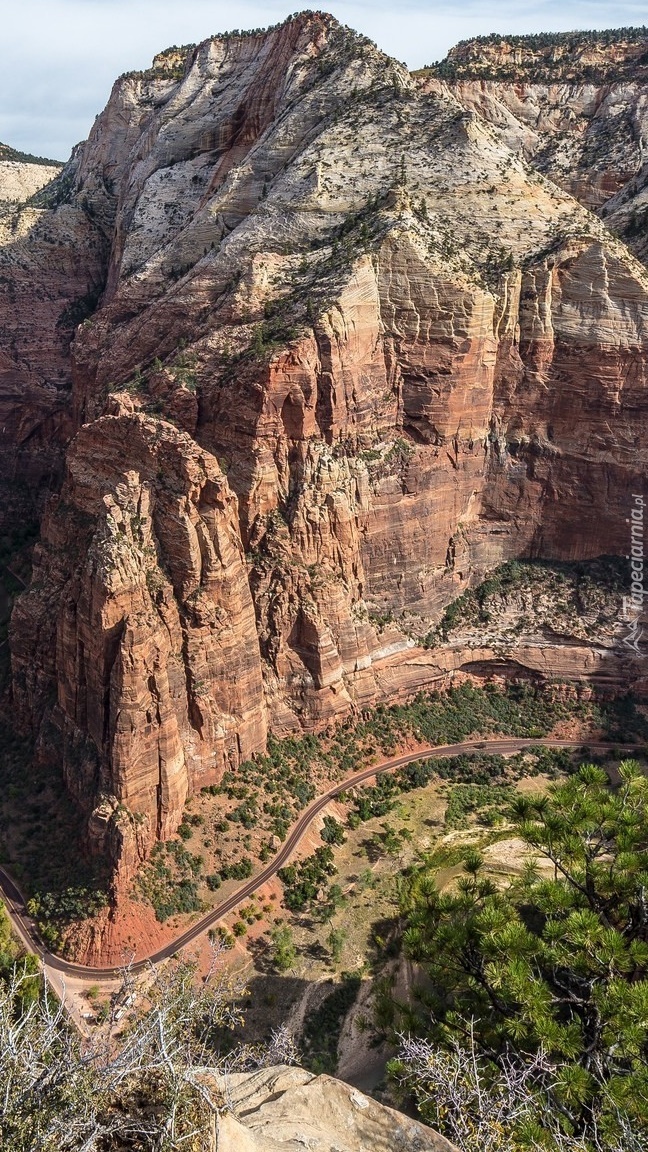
(350,355)
(149,624)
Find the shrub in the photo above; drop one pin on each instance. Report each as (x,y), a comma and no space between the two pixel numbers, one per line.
(336,941)
(332,832)
(241,870)
(284,952)
(302,881)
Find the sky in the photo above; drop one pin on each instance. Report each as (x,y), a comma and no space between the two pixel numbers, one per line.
(61,57)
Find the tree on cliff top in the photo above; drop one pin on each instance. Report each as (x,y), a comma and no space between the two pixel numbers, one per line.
(550,973)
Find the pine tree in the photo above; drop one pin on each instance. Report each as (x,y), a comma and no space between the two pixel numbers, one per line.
(336,939)
(558,962)
(284,951)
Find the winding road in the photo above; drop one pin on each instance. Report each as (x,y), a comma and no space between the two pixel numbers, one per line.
(26,929)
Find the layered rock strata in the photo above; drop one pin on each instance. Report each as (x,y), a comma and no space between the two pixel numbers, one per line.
(573,105)
(350,352)
(50,278)
(147,624)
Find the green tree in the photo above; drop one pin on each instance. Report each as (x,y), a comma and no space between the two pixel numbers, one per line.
(336,940)
(332,832)
(258,342)
(389,840)
(556,963)
(19,969)
(331,902)
(284,952)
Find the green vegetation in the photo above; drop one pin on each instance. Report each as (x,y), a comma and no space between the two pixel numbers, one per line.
(7,153)
(272,334)
(241,870)
(53,910)
(183,367)
(572,589)
(289,774)
(546,978)
(332,832)
(284,772)
(221,936)
(535,41)
(58,191)
(303,880)
(170,880)
(284,323)
(336,941)
(482,784)
(330,902)
(171,66)
(519,709)
(265,795)
(389,841)
(40,833)
(16,967)
(486,800)
(386,459)
(284,952)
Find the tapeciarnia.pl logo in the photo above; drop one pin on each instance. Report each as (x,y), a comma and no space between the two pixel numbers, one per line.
(633,604)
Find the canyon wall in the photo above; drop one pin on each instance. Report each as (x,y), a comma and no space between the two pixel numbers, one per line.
(575,106)
(344,352)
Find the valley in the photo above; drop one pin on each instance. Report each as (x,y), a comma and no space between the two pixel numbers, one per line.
(323,660)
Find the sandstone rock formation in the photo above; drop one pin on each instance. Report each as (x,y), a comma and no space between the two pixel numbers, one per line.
(21,177)
(148,627)
(573,105)
(339,352)
(50,276)
(285,1109)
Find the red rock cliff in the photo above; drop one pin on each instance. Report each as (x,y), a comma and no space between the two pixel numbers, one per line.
(351,353)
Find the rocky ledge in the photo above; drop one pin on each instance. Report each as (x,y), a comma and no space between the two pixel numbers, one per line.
(284,1109)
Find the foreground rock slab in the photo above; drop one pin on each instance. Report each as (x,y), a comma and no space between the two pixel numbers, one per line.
(285,1109)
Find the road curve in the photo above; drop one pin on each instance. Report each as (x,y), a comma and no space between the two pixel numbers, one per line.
(27,931)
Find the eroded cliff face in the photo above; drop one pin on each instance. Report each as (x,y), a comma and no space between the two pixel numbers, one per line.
(50,277)
(21,177)
(141,605)
(351,353)
(574,106)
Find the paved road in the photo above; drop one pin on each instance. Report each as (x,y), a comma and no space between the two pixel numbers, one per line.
(26,929)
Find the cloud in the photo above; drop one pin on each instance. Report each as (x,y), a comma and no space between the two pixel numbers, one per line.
(60,57)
